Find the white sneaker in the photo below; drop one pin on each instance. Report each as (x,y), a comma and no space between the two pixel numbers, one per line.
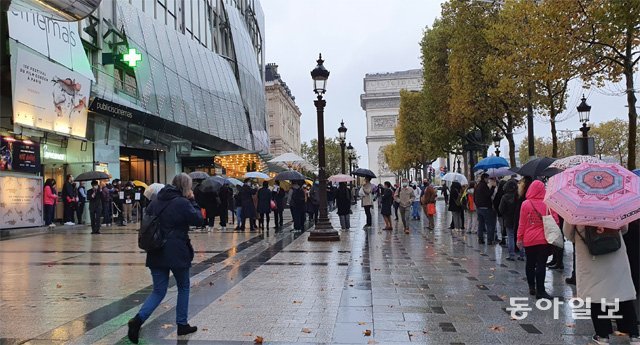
(599,340)
(52,225)
(69,223)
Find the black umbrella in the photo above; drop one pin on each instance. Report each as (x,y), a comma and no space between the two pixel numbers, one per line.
(535,167)
(211,184)
(364,173)
(198,175)
(548,172)
(92,175)
(290,175)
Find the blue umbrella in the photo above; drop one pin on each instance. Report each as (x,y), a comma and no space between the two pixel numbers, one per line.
(637,172)
(492,162)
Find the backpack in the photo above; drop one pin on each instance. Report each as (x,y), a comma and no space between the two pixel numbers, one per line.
(151,238)
(601,240)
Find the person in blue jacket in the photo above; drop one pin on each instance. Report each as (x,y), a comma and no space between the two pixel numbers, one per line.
(176,210)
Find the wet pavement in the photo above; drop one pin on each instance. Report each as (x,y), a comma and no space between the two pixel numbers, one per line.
(372,287)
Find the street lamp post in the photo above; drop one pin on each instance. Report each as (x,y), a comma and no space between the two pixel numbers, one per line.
(323,231)
(584,110)
(342,136)
(496,143)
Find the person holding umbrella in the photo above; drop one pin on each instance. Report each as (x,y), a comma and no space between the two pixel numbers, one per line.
(248,207)
(598,202)
(366,195)
(264,205)
(278,197)
(343,202)
(96,201)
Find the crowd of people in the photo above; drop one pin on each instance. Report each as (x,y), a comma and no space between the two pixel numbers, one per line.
(106,201)
(509,212)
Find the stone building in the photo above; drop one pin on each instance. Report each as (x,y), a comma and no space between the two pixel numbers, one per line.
(381,102)
(283,115)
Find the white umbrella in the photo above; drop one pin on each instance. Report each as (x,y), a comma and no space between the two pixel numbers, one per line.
(153,189)
(288,157)
(455,177)
(256,174)
(500,172)
(234,181)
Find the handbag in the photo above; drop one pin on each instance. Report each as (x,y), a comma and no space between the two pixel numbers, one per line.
(552,232)
(273,205)
(600,240)
(431,209)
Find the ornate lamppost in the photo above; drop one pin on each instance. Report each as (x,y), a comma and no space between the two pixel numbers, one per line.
(323,230)
(496,143)
(584,110)
(342,137)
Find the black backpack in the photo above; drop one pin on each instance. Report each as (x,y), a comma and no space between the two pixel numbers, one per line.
(151,238)
(600,240)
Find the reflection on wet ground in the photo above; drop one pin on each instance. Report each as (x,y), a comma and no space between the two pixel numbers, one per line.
(372,287)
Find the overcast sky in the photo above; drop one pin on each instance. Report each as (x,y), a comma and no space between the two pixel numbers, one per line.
(357,37)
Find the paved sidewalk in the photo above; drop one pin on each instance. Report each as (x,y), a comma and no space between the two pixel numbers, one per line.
(372,287)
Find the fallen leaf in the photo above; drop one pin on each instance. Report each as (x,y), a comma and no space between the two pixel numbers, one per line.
(205,329)
(258,340)
(367,333)
(361,323)
(497,329)
(306,330)
(571,325)
(166,325)
(58,285)
(297,302)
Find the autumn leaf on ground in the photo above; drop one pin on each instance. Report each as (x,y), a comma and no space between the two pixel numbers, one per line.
(258,340)
(497,329)
(361,323)
(367,333)
(166,325)
(306,330)
(58,285)
(297,302)
(205,329)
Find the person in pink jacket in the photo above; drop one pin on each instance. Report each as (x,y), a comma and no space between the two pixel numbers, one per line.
(50,198)
(531,238)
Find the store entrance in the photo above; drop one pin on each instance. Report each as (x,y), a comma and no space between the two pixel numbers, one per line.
(139,164)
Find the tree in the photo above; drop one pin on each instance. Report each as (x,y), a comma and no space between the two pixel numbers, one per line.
(611,139)
(309,152)
(544,147)
(611,29)
(536,56)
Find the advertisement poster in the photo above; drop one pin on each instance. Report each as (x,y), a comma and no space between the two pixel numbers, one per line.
(56,40)
(18,155)
(49,96)
(20,202)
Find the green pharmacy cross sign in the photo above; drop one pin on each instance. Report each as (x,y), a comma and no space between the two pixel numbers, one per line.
(132,57)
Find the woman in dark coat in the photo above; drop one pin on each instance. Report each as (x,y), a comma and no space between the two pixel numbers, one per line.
(246,202)
(454,205)
(176,210)
(264,204)
(343,203)
(385,205)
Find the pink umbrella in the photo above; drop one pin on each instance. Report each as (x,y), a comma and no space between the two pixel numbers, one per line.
(596,194)
(340,178)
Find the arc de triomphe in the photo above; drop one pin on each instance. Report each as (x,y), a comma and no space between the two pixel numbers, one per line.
(381,102)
